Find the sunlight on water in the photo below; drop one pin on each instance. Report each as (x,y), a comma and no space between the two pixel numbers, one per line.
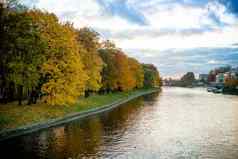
(178,123)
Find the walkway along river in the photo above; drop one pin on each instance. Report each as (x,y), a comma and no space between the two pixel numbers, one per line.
(177,123)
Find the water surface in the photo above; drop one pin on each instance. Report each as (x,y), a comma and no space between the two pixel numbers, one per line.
(178,123)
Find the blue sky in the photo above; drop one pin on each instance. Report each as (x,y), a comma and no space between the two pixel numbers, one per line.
(175,35)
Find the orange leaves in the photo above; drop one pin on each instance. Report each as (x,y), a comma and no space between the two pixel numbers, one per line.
(137,71)
(126,81)
(120,72)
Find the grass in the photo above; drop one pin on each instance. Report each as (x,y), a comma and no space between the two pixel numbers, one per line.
(13,115)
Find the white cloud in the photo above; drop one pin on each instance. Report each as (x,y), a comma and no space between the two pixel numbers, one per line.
(88,8)
(215,39)
(181,17)
(86,13)
(165,29)
(160,17)
(213,62)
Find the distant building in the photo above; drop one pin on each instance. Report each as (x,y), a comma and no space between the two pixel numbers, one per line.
(220,78)
(234,73)
(223,69)
(203,77)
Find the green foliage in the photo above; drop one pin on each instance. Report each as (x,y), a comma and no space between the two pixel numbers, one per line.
(21,50)
(151,76)
(110,71)
(188,79)
(25,56)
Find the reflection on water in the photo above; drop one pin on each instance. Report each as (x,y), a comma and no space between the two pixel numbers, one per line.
(177,123)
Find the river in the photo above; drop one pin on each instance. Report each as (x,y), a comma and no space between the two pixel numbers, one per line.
(178,123)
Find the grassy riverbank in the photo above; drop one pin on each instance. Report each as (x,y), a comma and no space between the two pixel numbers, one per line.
(13,116)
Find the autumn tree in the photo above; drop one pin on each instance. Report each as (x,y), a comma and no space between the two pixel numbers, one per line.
(39,54)
(137,72)
(63,70)
(109,45)
(123,73)
(110,71)
(117,73)
(93,63)
(126,81)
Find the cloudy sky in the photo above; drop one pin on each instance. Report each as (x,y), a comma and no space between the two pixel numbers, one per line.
(176,35)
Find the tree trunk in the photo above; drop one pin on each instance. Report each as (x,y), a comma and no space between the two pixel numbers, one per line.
(11,92)
(33,97)
(20,94)
(86,95)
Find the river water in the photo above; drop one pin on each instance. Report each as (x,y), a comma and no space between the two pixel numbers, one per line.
(178,123)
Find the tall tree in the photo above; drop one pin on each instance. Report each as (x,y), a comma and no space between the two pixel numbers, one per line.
(21,54)
(188,79)
(92,61)
(110,71)
(125,76)
(63,70)
(137,72)
(151,76)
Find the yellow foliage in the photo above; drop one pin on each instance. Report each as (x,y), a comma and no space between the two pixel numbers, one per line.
(63,69)
(91,59)
(137,71)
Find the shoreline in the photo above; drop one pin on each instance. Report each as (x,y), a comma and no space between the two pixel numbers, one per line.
(233,92)
(23,130)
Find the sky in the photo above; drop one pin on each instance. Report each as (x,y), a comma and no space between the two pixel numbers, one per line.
(177,36)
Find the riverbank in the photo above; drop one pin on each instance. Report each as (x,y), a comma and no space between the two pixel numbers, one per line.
(18,120)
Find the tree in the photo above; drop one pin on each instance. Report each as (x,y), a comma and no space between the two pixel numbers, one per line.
(126,81)
(231,82)
(108,45)
(92,61)
(110,71)
(63,70)
(117,74)
(20,54)
(137,72)
(38,54)
(151,76)
(188,79)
